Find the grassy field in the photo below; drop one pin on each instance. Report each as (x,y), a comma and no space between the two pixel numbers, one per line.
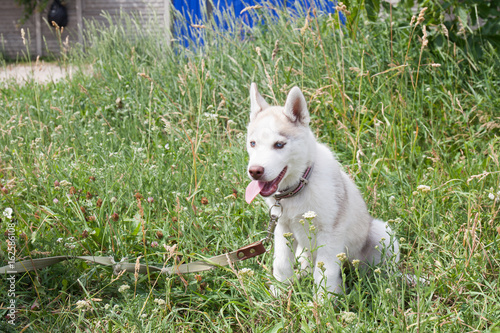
(144,155)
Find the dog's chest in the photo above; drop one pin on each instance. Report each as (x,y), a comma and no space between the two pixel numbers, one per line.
(294,212)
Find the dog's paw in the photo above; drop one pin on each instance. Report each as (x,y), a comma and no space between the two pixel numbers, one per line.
(274,290)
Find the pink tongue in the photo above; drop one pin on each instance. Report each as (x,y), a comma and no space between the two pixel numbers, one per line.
(253,190)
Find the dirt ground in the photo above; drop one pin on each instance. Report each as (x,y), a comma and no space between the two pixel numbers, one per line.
(41,72)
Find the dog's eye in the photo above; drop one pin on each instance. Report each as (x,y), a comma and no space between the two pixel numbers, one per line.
(279,145)
(252,144)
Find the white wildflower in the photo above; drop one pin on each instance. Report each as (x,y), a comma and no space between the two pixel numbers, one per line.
(210,115)
(321,265)
(423,188)
(342,257)
(8,213)
(64,183)
(160,301)
(84,305)
(309,215)
(348,317)
(123,288)
(245,273)
(491,196)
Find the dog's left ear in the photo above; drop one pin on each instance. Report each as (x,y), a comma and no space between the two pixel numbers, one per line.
(296,107)
(257,102)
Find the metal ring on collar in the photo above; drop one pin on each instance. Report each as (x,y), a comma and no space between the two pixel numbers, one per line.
(278,205)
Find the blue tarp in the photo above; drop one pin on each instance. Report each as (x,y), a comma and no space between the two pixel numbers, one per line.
(195,12)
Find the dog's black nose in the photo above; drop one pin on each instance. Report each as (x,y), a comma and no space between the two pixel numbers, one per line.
(256,171)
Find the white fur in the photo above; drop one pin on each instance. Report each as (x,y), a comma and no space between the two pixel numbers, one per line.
(343,223)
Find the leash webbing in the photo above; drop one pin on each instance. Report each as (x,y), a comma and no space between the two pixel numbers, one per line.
(241,254)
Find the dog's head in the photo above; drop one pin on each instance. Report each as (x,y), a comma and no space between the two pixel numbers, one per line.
(280,143)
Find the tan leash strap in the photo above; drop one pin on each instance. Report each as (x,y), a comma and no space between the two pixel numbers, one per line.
(243,253)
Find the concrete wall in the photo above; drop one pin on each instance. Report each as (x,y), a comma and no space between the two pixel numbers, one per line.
(42,39)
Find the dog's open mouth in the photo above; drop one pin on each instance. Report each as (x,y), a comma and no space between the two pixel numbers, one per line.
(265,189)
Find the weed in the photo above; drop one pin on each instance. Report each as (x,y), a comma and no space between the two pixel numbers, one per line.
(144,157)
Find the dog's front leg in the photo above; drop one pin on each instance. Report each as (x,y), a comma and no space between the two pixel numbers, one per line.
(327,268)
(283,255)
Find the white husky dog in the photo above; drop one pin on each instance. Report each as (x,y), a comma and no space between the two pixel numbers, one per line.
(287,164)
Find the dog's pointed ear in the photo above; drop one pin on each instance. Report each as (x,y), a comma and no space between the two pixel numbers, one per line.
(257,102)
(296,107)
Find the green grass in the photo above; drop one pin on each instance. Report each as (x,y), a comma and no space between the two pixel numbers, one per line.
(168,123)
